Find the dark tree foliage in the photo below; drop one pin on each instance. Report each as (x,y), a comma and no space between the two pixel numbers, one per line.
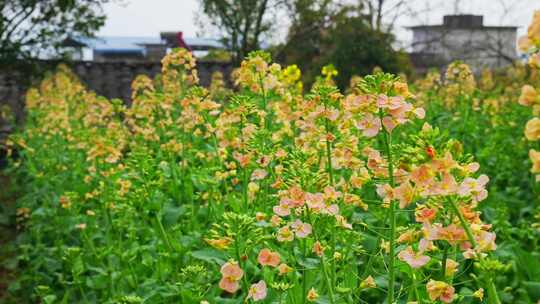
(30,28)
(305,45)
(356,49)
(326,31)
(242,22)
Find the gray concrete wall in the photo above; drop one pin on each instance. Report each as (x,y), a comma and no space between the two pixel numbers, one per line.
(485,47)
(109,79)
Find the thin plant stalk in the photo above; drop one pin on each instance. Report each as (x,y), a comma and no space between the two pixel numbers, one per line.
(392,214)
(326,276)
(491,288)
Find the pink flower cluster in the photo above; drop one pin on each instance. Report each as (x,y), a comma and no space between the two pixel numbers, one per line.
(436,182)
(389,112)
(294,202)
(232,273)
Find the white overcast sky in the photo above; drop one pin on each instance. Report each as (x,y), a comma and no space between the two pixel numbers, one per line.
(149,17)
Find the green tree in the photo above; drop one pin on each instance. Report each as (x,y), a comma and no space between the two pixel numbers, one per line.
(241,22)
(355,49)
(30,28)
(326,31)
(304,45)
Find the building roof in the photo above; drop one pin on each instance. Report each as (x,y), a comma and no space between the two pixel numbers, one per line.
(204,42)
(442,26)
(137,44)
(468,21)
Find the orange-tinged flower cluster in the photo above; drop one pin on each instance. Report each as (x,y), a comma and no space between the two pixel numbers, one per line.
(529,94)
(231,274)
(414,259)
(260,76)
(532,129)
(438,290)
(442,179)
(178,70)
(459,80)
(532,39)
(288,184)
(257,291)
(269,258)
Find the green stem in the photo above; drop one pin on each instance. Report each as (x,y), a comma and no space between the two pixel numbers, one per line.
(176,184)
(245,189)
(265,103)
(164,234)
(329,155)
(133,275)
(374,251)
(392,212)
(327,278)
(304,279)
(238,257)
(333,248)
(445,257)
(331,180)
(491,288)
(81,290)
(244,170)
(295,278)
(182,165)
(463,222)
(323,264)
(416,294)
(90,244)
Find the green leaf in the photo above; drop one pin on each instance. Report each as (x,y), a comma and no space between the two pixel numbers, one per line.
(528,264)
(533,289)
(171,214)
(97,281)
(323,300)
(49,299)
(309,263)
(210,256)
(78,266)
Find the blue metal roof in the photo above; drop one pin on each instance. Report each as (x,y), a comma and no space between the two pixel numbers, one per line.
(119,43)
(136,44)
(204,41)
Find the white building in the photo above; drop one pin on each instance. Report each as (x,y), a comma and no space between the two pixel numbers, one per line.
(465,38)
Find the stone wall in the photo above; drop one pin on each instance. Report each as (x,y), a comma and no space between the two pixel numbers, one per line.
(110,79)
(113,79)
